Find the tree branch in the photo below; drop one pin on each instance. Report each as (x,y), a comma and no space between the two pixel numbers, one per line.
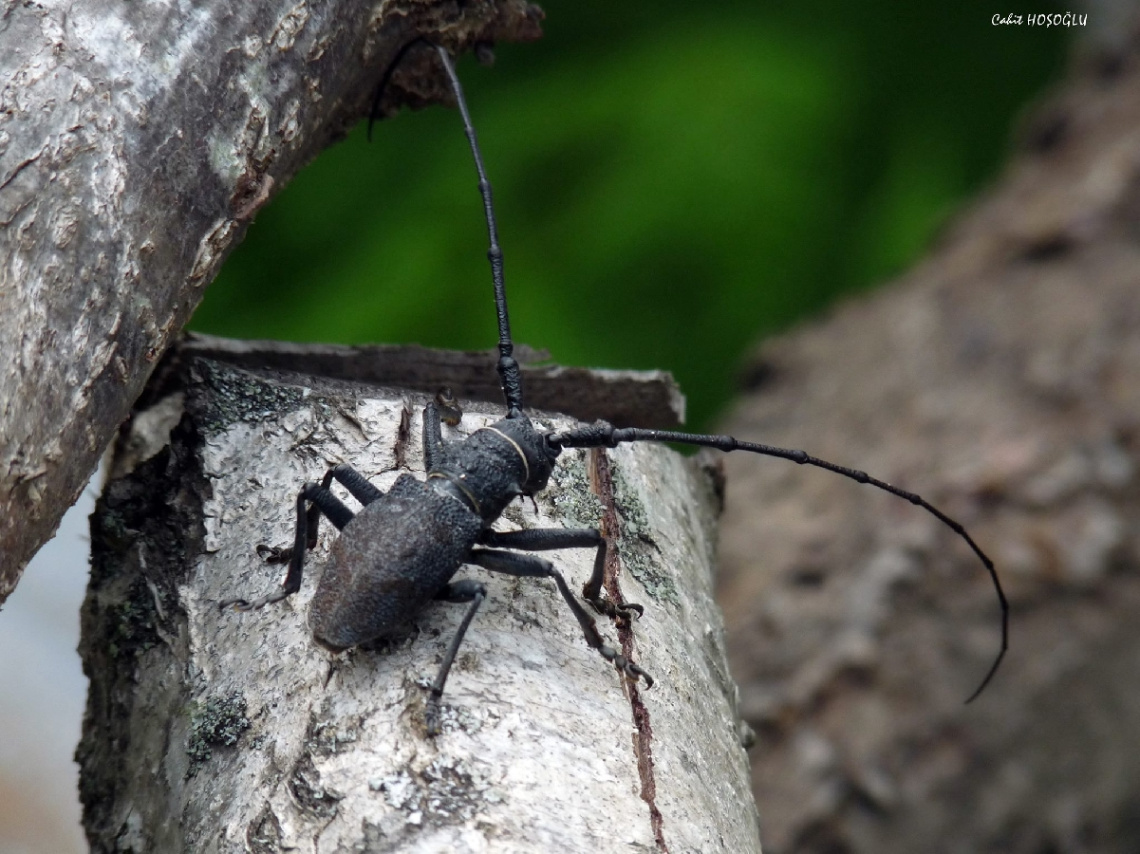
(135,147)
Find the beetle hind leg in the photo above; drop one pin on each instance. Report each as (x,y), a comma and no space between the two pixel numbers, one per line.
(460,591)
(313,499)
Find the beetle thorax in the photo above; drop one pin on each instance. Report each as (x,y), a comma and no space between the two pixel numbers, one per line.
(494,465)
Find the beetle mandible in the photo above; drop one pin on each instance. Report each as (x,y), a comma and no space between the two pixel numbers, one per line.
(403,548)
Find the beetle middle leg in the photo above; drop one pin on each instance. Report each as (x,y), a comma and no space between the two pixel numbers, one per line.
(546,539)
(313,499)
(529,566)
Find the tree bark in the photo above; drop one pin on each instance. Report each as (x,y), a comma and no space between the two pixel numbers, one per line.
(1000,379)
(225,731)
(136,144)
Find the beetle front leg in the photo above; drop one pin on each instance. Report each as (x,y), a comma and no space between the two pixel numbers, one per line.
(528,566)
(545,539)
(444,409)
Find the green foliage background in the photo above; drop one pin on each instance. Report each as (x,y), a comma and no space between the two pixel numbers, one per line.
(673,181)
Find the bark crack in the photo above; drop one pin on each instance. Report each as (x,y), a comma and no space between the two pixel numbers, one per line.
(601,481)
(20,167)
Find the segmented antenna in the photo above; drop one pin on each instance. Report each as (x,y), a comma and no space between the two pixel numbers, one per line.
(509,374)
(605,435)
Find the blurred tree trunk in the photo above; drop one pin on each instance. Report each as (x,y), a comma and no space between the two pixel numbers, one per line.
(1001,380)
(136,144)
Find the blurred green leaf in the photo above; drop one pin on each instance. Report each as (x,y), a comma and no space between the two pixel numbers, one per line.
(670,186)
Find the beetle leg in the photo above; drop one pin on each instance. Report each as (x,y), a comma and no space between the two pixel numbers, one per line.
(433,436)
(450,412)
(544,539)
(443,409)
(459,591)
(322,501)
(353,481)
(529,566)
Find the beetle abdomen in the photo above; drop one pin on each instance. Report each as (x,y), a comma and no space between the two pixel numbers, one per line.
(388,561)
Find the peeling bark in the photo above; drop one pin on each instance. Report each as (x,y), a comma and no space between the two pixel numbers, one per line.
(1000,379)
(624,398)
(136,143)
(223,731)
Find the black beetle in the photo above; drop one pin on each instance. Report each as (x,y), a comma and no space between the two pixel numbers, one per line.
(403,548)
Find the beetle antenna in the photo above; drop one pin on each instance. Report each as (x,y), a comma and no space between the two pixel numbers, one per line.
(603,435)
(509,374)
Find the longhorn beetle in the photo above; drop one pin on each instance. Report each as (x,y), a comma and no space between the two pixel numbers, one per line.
(402,549)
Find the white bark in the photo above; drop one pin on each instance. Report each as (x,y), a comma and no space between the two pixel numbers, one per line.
(543,747)
(137,140)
